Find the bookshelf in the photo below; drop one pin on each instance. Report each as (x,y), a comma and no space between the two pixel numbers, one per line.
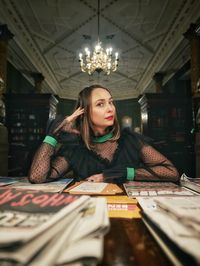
(168,120)
(26,118)
(196,115)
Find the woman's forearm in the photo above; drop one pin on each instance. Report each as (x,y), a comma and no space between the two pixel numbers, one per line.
(40,166)
(156,167)
(157,173)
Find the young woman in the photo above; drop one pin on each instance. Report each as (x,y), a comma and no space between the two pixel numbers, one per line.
(95,149)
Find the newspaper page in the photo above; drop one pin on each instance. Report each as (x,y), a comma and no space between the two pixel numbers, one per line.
(155,189)
(173,226)
(83,226)
(90,248)
(94,220)
(191,183)
(82,240)
(54,186)
(23,254)
(186,209)
(87,240)
(25,214)
(89,187)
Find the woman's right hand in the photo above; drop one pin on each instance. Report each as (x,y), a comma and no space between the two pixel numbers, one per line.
(66,124)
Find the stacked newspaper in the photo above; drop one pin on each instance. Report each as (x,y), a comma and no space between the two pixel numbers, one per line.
(191,183)
(23,183)
(175,223)
(44,228)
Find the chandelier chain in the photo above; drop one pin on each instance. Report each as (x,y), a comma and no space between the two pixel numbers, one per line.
(98,17)
(99,60)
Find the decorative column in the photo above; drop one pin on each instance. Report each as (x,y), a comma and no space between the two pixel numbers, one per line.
(158,78)
(38,79)
(5,36)
(193,35)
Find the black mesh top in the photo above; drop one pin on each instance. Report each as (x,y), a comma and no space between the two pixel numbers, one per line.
(110,158)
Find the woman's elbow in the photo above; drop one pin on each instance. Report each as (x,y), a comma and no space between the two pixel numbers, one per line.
(32,180)
(175,176)
(35,179)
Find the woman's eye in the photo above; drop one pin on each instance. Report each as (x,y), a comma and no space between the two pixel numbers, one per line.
(100,104)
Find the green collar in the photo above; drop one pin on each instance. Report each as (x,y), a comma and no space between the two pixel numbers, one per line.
(102,138)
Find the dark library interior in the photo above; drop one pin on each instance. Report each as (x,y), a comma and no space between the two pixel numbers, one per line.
(167,110)
(147,53)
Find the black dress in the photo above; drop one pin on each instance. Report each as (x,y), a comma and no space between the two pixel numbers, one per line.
(128,154)
(110,158)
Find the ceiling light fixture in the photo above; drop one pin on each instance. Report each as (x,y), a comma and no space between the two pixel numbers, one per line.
(100,60)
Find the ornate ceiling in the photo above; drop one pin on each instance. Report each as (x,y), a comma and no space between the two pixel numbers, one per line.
(49,35)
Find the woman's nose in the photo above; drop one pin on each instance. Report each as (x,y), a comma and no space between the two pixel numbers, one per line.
(110,107)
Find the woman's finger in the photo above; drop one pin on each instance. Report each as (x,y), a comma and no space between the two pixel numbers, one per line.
(62,124)
(76,113)
(67,121)
(95,178)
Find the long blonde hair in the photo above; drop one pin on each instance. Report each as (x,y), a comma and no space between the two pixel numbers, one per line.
(84,123)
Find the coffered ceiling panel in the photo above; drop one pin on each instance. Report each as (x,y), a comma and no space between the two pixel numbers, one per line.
(50,34)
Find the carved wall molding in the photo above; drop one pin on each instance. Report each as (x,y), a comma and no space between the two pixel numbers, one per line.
(147,34)
(25,41)
(189,12)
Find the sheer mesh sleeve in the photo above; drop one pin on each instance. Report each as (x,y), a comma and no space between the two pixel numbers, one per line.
(138,153)
(45,167)
(156,166)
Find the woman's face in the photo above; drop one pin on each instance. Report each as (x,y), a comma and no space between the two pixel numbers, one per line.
(102,110)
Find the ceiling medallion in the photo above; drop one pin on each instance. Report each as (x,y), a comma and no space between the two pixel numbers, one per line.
(99,60)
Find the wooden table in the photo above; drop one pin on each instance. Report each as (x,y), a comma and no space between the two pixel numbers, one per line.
(129,243)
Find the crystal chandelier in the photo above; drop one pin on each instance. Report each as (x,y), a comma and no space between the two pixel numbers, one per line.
(99,60)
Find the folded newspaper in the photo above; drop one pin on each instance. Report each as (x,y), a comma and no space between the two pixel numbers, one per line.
(191,183)
(38,228)
(23,183)
(155,189)
(177,221)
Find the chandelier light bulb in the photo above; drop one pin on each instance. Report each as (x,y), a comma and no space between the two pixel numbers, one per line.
(98,47)
(99,60)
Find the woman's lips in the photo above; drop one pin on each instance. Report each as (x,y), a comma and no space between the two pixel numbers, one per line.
(110,117)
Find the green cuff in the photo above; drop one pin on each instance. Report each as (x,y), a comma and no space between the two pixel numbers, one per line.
(50,140)
(130,174)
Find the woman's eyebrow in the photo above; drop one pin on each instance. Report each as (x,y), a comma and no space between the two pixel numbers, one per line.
(100,100)
(103,100)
